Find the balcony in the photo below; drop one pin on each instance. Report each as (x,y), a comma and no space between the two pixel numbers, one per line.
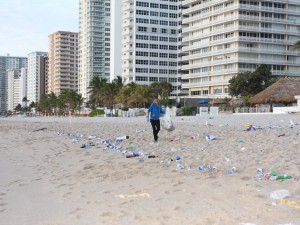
(205,84)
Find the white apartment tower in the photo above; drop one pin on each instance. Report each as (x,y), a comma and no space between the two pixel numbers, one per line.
(63,62)
(13,89)
(8,63)
(94,42)
(150,42)
(36,75)
(225,37)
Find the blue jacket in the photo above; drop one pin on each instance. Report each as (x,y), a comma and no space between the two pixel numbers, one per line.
(155,111)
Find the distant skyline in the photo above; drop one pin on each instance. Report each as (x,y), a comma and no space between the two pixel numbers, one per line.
(26,24)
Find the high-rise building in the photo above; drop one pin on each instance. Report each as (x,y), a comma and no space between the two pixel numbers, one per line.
(225,37)
(7,63)
(23,85)
(13,89)
(151,42)
(96,57)
(36,75)
(63,62)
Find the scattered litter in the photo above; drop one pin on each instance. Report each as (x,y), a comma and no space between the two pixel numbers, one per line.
(250,127)
(240,141)
(192,137)
(41,129)
(279,194)
(232,170)
(210,137)
(130,196)
(280,135)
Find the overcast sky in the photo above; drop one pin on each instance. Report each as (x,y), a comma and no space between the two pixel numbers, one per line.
(26,24)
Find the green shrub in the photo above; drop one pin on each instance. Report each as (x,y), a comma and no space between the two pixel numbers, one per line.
(96,112)
(188,110)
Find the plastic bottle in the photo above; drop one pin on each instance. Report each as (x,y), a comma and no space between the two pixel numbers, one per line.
(147,119)
(121,138)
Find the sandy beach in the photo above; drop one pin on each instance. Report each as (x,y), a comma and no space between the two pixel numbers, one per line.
(46,178)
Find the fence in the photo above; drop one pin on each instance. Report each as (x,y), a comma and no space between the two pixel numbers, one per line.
(252,110)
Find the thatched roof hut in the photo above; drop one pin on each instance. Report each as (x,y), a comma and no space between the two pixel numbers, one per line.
(283,91)
(218,101)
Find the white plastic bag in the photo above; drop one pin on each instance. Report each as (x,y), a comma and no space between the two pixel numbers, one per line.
(167,123)
(279,194)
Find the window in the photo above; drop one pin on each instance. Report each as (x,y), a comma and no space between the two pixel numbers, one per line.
(142,29)
(139,78)
(173,15)
(154,30)
(174,56)
(141,53)
(173,31)
(141,70)
(153,54)
(163,22)
(141,20)
(141,45)
(165,47)
(153,70)
(154,38)
(153,46)
(163,14)
(152,13)
(153,21)
(163,55)
(163,6)
(163,71)
(142,37)
(172,39)
(141,62)
(163,31)
(163,63)
(154,79)
(172,23)
(172,63)
(172,47)
(152,62)
(154,5)
(143,4)
(165,39)
(142,12)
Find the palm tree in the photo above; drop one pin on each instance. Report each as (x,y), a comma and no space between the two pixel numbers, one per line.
(96,89)
(71,101)
(125,92)
(25,100)
(296,46)
(141,96)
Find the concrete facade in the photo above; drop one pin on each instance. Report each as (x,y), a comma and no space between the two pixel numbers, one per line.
(63,62)
(222,38)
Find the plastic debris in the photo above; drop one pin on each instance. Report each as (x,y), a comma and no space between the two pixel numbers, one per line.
(210,137)
(279,194)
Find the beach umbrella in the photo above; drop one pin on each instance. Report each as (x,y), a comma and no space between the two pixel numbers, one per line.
(203,101)
(283,91)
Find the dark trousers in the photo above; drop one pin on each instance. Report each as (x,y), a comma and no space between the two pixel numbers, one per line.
(155,127)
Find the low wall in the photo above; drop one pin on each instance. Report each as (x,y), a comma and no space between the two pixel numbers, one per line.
(285,110)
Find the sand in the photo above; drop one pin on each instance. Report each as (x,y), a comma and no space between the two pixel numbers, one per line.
(47,179)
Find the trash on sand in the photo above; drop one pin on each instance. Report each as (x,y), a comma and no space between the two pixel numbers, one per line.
(279,194)
(250,127)
(130,196)
(210,137)
(240,141)
(232,170)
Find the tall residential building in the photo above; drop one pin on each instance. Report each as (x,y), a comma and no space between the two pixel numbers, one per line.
(63,62)
(96,27)
(225,37)
(13,89)
(36,75)
(151,41)
(7,63)
(23,85)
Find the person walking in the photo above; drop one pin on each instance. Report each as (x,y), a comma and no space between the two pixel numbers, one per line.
(155,110)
